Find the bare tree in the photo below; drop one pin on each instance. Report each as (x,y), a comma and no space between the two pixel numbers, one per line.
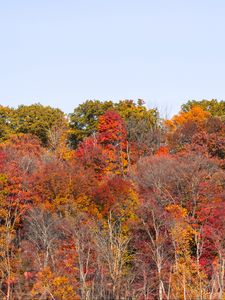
(42,233)
(78,228)
(112,246)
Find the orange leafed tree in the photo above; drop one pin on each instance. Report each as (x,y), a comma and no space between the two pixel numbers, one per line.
(186,280)
(182,127)
(196,114)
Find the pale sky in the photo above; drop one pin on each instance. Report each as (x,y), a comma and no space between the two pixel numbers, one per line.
(61,53)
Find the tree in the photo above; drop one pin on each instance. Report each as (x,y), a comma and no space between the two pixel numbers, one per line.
(153,258)
(112,246)
(56,287)
(84,119)
(113,138)
(42,233)
(214,107)
(129,109)
(58,139)
(37,119)
(13,205)
(144,138)
(211,140)
(136,211)
(116,195)
(6,128)
(182,127)
(91,155)
(187,280)
(78,228)
(195,114)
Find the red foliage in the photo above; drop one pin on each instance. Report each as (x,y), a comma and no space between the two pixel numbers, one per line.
(162,151)
(114,194)
(111,130)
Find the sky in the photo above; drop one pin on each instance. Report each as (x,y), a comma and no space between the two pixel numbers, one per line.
(61,53)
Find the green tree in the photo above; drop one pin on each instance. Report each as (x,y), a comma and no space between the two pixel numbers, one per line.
(128,109)
(84,119)
(215,107)
(5,122)
(37,119)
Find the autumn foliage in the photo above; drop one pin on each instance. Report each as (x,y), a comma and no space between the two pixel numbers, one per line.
(112,202)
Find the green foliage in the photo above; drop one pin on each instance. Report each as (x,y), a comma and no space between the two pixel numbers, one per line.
(84,119)
(36,119)
(128,109)
(5,122)
(215,107)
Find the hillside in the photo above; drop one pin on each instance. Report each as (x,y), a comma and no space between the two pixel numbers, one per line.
(112,202)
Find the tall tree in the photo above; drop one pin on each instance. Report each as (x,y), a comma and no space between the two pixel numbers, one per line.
(6,128)
(37,119)
(214,107)
(113,138)
(84,119)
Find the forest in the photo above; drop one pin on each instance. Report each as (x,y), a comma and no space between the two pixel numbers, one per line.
(112,202)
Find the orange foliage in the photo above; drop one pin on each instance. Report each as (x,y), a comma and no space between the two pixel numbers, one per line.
(162,151)
(49,284)
(113,138)
(196,114)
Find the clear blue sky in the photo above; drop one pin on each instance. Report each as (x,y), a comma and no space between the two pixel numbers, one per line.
(61,53)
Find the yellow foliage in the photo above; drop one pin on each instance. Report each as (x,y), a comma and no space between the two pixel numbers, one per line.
(57,286)
(85,204)
(187,282)
(181,231)
(196,114)
(186,278)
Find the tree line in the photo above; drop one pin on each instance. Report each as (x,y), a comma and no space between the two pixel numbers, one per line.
(112,202)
